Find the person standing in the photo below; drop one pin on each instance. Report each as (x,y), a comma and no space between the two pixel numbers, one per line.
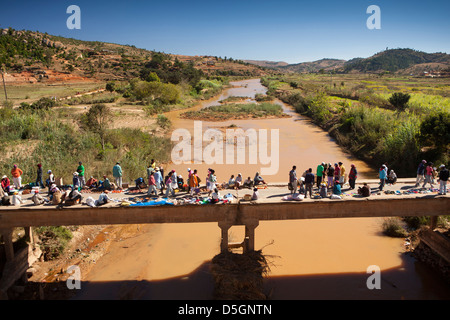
(352,176)
(319,173)
(150,169)
(443,178)
(342,174)
(428,175)
(330,175)
(420,173)
(158,179)
(117,174)
(81,172)
(382,176)
(309,182)
(337,172)
(193,182)
(16,173)
(152,184)
(39,181)
(293,179)
(169,184)
(212,181)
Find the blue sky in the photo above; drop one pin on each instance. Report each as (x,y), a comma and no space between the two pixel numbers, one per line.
(291,31)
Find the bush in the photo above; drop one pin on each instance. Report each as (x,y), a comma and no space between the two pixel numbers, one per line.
(399,100)
(392,228)
(54,240)
(163,121)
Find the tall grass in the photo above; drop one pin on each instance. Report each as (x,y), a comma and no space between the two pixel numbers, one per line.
(32,138)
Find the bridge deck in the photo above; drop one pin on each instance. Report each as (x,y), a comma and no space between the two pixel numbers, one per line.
(269,207)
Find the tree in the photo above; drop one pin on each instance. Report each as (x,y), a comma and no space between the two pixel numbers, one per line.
(97,120)
(435,131)
(399,100)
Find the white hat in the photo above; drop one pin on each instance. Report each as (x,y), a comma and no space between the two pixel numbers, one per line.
(4,177)
(75,173)
(442,166)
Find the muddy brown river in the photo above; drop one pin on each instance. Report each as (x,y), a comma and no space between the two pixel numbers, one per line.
(309,259)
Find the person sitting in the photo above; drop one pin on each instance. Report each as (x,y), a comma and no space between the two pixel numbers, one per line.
(215,197)
(6,184)
(92,183)
(248,183)
(323,190)
(231,182)
(105,184)
(392,177)
(258,179)
(37,199)
(16,199)
(180,182)
(364,190)
(337,188)
(73,197)
(103,198)
(255,195)
(238,181)
(75,180)
(55,195)
(140,183)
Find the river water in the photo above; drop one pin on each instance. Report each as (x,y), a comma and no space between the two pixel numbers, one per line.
(309,259)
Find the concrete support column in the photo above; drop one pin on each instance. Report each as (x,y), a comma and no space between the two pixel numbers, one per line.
(224,226)
(29,234)
(249,242)
(433,222)
(7,238)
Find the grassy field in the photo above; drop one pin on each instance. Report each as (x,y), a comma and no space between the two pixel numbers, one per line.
(356,110)
(32,92)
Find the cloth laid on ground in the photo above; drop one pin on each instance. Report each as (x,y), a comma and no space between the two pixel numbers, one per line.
(152,203)
(295,197)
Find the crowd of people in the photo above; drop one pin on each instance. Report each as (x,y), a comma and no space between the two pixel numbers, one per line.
(330,178)
(327,179)
(157,183)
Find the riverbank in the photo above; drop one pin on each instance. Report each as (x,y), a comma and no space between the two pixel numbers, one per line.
(365,123)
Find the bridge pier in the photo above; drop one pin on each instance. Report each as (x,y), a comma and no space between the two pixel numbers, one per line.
(249,239)
(7,238)
(433,222)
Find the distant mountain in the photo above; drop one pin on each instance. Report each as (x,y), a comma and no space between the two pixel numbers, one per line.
(398,60)
(405,61)
(314,66)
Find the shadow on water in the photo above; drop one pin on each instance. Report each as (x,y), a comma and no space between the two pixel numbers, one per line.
(413,280)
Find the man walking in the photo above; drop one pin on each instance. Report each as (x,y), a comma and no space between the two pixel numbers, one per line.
(117,174)
(420,173)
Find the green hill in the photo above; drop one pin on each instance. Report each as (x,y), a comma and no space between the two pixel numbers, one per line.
(395,60)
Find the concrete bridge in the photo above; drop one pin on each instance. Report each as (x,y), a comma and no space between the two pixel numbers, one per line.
(246,213)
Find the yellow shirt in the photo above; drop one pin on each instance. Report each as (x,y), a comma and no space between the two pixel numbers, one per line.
(342,171)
